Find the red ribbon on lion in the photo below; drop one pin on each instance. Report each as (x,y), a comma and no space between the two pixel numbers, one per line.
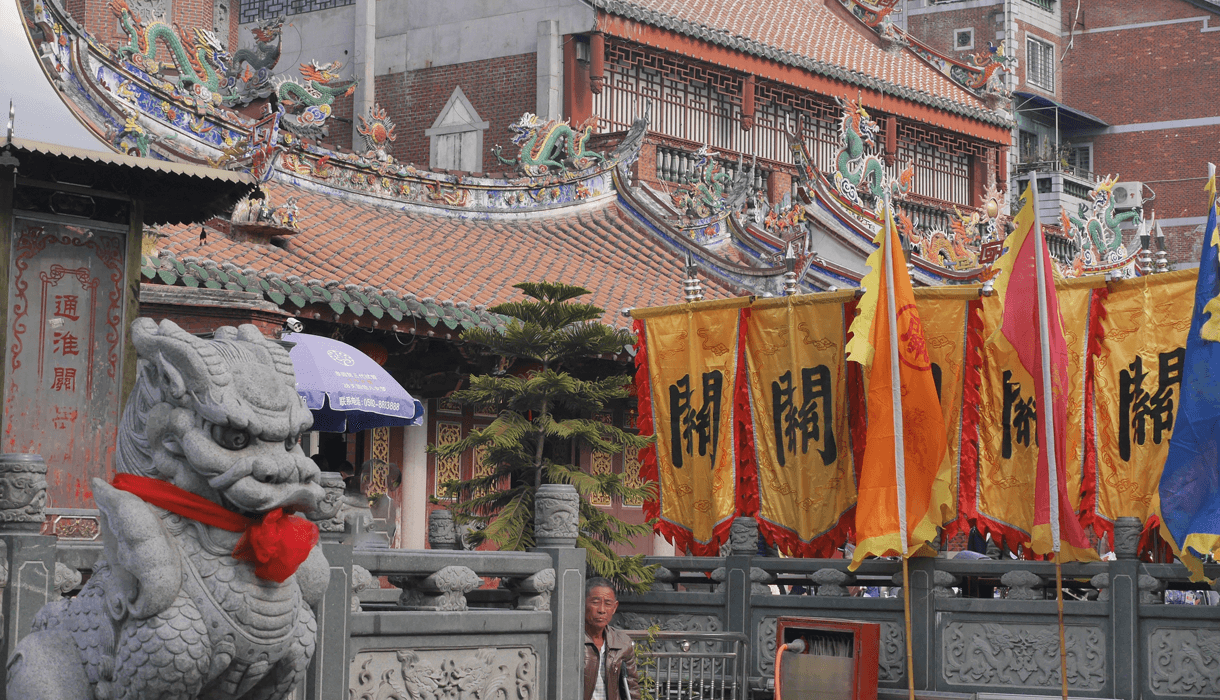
(278,543)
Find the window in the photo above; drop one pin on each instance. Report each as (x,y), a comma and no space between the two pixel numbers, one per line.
(1027,144)
(1080,157)
(456,137)
(963,39)
(1040,64)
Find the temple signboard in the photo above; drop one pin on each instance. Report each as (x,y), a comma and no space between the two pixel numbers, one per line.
(64,347)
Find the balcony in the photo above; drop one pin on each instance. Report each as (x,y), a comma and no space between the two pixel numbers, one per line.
(1062,189)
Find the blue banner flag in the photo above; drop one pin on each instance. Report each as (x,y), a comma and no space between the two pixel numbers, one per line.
(1190,482)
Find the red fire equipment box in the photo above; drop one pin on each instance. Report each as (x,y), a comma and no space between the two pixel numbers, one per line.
(839,660)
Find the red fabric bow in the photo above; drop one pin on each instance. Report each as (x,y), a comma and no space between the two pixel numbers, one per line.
(278,543)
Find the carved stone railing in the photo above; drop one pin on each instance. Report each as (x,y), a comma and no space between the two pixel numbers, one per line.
(978,625)
(463,623)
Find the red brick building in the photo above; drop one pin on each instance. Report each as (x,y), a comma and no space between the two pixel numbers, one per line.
(1126,84)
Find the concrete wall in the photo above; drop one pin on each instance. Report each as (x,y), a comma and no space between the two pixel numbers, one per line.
(417,34)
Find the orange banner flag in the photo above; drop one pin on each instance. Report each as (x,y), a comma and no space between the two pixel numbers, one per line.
(884,481)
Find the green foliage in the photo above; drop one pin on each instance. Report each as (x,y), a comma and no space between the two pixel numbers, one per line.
(542,420)
(645,664)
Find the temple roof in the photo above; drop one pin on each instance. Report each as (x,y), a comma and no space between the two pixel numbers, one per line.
(807,34)
(437,258)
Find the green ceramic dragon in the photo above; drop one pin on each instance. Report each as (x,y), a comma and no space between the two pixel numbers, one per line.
(549,144)
(1099,226)
(307,106)
(705,187)
(200,59)
(856,168)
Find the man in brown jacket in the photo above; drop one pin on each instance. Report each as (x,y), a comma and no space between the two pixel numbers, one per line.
(609,654)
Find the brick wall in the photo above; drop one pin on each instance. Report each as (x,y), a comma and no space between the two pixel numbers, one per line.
(1144,75)
(936,29)
(500,90)
(187,14)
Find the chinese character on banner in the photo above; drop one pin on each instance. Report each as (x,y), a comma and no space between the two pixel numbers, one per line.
(65,379)
(686,423)
(66,343)
(65,306)
(1019,414)
(812,419)
(1137,406)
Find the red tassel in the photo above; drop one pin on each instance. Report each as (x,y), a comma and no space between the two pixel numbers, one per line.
(1088,482)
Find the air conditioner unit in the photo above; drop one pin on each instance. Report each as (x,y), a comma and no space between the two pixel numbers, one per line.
(1128,195)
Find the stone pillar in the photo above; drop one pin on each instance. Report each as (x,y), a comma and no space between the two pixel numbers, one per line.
(29,556)
(556,520)
(923,621)
(550,70)
(1124,609)
(328,671)
(364,64)
(413,498)
(329,668)
(441,532)
(737,583)
(662,547)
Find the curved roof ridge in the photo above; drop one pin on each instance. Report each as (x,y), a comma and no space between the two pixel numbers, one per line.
(664,14)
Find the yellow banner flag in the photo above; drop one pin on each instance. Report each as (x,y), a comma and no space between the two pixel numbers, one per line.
(692,365)
(945,315)
(798,397)
(1138,386)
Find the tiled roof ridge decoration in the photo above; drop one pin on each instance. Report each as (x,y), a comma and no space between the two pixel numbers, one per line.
(647,15)
(122,95)
(288,291)
(982,73)
(946,257)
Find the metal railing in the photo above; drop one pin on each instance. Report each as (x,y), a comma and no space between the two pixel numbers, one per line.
(692,665)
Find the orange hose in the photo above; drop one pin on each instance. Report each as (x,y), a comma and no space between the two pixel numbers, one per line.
(782,648)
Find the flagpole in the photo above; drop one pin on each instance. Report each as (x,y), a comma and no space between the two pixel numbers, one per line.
(899,450)
(1048,421)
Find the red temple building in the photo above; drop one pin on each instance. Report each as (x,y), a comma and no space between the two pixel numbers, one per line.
(417,162)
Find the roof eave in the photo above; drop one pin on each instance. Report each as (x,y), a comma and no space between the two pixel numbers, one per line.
(750,46)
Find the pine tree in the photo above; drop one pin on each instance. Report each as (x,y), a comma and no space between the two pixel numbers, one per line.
(542,413)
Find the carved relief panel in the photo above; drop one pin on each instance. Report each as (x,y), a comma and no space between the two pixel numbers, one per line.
(418,674)
(1022,656)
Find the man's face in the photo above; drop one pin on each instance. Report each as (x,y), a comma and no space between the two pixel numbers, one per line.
(600,605)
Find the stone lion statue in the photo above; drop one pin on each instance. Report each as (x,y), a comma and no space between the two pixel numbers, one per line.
(207,579)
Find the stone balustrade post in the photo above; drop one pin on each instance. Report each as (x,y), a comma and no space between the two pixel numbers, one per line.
(29,558)
(441,532)
(556,524)
(738,583)
(1124,595)
(330,667)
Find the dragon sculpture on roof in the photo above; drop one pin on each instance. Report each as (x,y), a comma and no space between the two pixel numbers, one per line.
(249,74)
(175,607)
(551,144)
(198,54)
(308,106)
(859,173)
(1095,228)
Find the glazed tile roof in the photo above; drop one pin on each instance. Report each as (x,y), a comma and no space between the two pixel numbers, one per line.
(365,258)
(806,34)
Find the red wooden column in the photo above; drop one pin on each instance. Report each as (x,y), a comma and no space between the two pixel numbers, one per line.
(747,103)
(577,97)
(597,63)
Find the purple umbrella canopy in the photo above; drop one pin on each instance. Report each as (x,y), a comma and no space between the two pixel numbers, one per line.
(345,389)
